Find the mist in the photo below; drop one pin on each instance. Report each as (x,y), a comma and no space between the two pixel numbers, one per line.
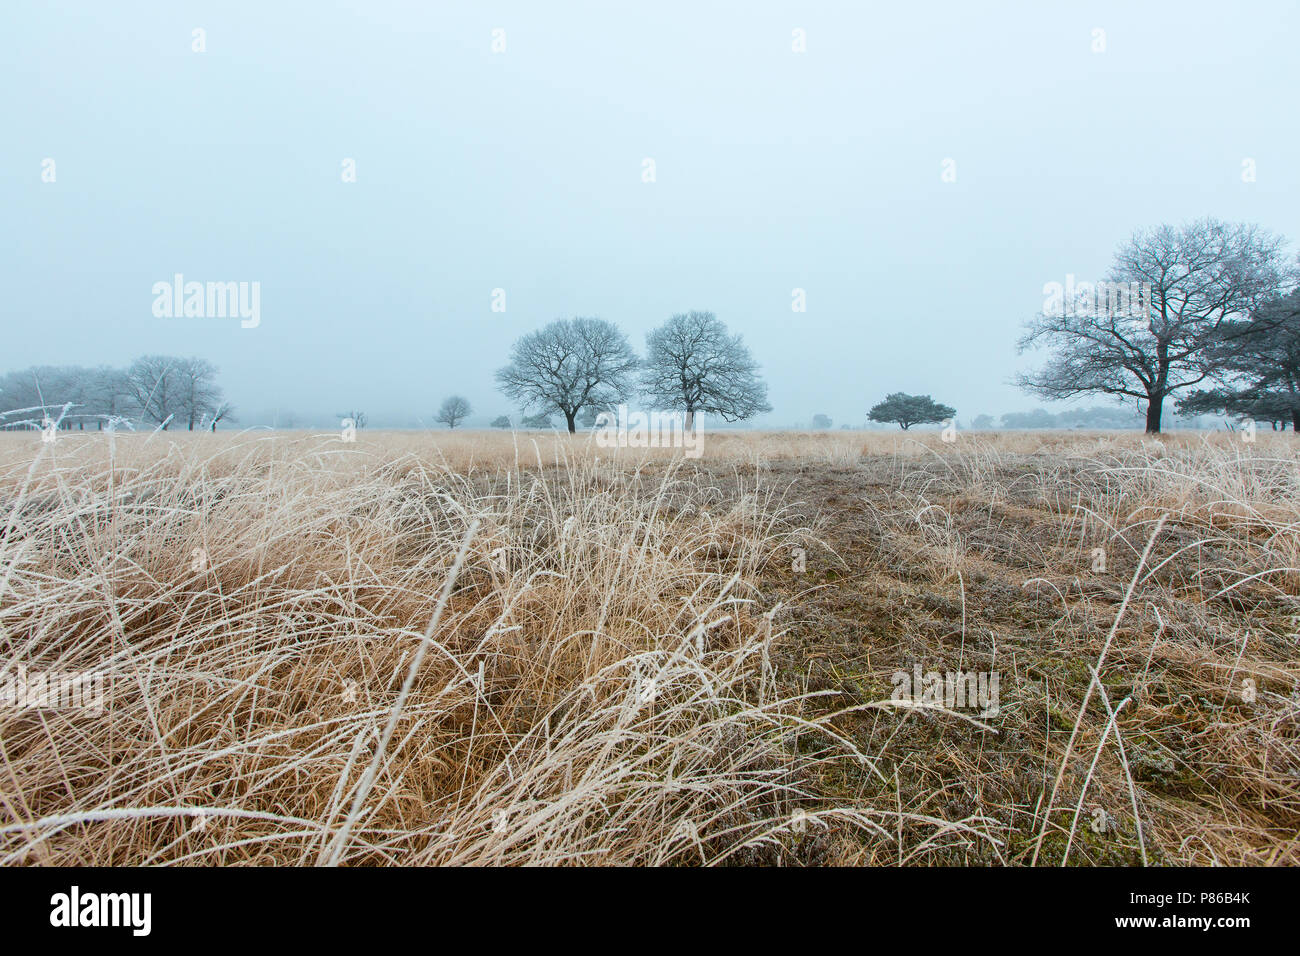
(522,170)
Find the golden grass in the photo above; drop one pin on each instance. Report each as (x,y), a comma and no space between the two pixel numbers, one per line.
(607,679)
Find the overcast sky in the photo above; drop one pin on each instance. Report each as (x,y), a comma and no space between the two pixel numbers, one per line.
(523,170)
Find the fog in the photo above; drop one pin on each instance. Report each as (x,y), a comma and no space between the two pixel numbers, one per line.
(523,170)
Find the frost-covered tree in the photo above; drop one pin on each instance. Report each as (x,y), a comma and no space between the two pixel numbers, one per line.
(111,400)
(200,395)
(1200,277)
(693,364)
(569,365)
(169,389)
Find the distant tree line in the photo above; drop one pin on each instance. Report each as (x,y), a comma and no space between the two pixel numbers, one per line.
(159,390)
(1216,326)
(1098,416)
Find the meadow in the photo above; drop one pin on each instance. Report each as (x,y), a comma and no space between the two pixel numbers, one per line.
(492,649)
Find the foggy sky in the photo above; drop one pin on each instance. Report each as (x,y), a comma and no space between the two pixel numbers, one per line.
(522,170)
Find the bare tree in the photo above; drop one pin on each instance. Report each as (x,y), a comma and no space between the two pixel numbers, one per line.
(163,387)
(453,411)
(67,386)
(200,395)
(223,410)
(111,396)
(694,365)
(569,365)
(1200,276)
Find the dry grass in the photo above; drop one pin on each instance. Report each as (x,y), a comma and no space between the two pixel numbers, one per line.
(621,667)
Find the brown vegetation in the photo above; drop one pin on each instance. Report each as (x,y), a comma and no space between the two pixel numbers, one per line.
(627,667)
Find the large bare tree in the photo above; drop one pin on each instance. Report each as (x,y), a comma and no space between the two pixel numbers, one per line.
(1200,275)
(569,365)
(694,364)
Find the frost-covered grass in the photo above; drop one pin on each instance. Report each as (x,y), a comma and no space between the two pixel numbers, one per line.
(482,648)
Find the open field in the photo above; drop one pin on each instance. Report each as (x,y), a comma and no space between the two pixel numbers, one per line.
(479,648)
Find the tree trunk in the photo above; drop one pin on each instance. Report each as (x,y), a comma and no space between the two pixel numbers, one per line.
(569,418)
(1155,403)
(690,419)
(1295,419)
